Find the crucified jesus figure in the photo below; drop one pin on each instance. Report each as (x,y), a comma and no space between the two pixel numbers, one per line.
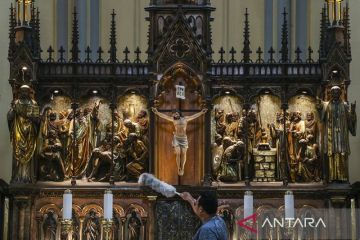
(180,141)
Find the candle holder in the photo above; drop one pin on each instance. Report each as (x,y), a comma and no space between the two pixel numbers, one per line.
(107,226)
(66,229)
(289,228)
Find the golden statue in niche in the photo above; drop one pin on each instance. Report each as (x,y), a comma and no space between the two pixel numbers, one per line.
(180,141)
(338,120)
(23,119)
(85,127)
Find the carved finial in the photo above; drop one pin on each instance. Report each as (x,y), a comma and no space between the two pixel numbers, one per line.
(137,58)
(75,39)
(61,51)
(126,52)
(298,57)
(113,49)
(221,51)
(284,39)
(259,53)
(50,51)
(88,53)
(309,59)
(246,50)
(271,52)
(232,52)
(100,52)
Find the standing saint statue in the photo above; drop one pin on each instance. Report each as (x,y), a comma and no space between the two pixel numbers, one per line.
(23,119)
(180,141)
(338,121)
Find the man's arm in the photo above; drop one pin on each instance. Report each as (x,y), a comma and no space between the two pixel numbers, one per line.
(196,115)
(162,115)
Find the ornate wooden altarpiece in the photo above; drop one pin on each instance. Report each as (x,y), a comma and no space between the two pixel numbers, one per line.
(87,124)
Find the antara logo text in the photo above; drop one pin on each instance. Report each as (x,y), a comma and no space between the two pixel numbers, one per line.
(250,222)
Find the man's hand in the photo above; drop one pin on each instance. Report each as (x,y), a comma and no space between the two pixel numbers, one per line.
(204,110)
(187,197)
(154,110)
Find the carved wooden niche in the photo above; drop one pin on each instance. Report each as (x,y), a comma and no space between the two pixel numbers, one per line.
(167,103)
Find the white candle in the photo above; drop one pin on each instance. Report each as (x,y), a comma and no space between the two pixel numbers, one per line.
(289,205)
(248,204)
(67,205)
(108,205)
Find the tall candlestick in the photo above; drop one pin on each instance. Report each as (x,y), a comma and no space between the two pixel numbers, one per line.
(67,205)
(248,204)
(108,205)
(289,205)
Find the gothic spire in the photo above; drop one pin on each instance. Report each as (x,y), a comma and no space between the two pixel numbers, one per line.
(347,35)
(37,36)
(246,50)
(75,38)
(113,49)
(323,28)
(12,25)
(284,39)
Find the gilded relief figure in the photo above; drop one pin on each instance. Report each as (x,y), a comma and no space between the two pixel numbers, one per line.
(339,119)
(180,141)
(138,153)
(311,125)
(295,134)
(231,123)
(23,119)
(278,140)
(119,128)
(63,124)
(103,155)
(142,120)
(217,152)
(229,170)
(86,124)
(309,160)
(219,119)
(50,227)
(92,227)
(51,164)
(134,227)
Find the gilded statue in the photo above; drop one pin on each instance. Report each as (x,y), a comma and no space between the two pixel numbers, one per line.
(278,141)
(132,127)
(119,128)
(309,160)
(229,170)
(142,120)
(134,227)
(219,119)
(86,132)
(51,164)
(23,119)
(138,153)
(50,227)
(231,123)
(295,134)
(339,119)
(63,124)
(311,125)
(217,152)
(180,141)
(92,229)
(103,155)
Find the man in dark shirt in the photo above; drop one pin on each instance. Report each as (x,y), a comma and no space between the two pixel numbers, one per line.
(205,207)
